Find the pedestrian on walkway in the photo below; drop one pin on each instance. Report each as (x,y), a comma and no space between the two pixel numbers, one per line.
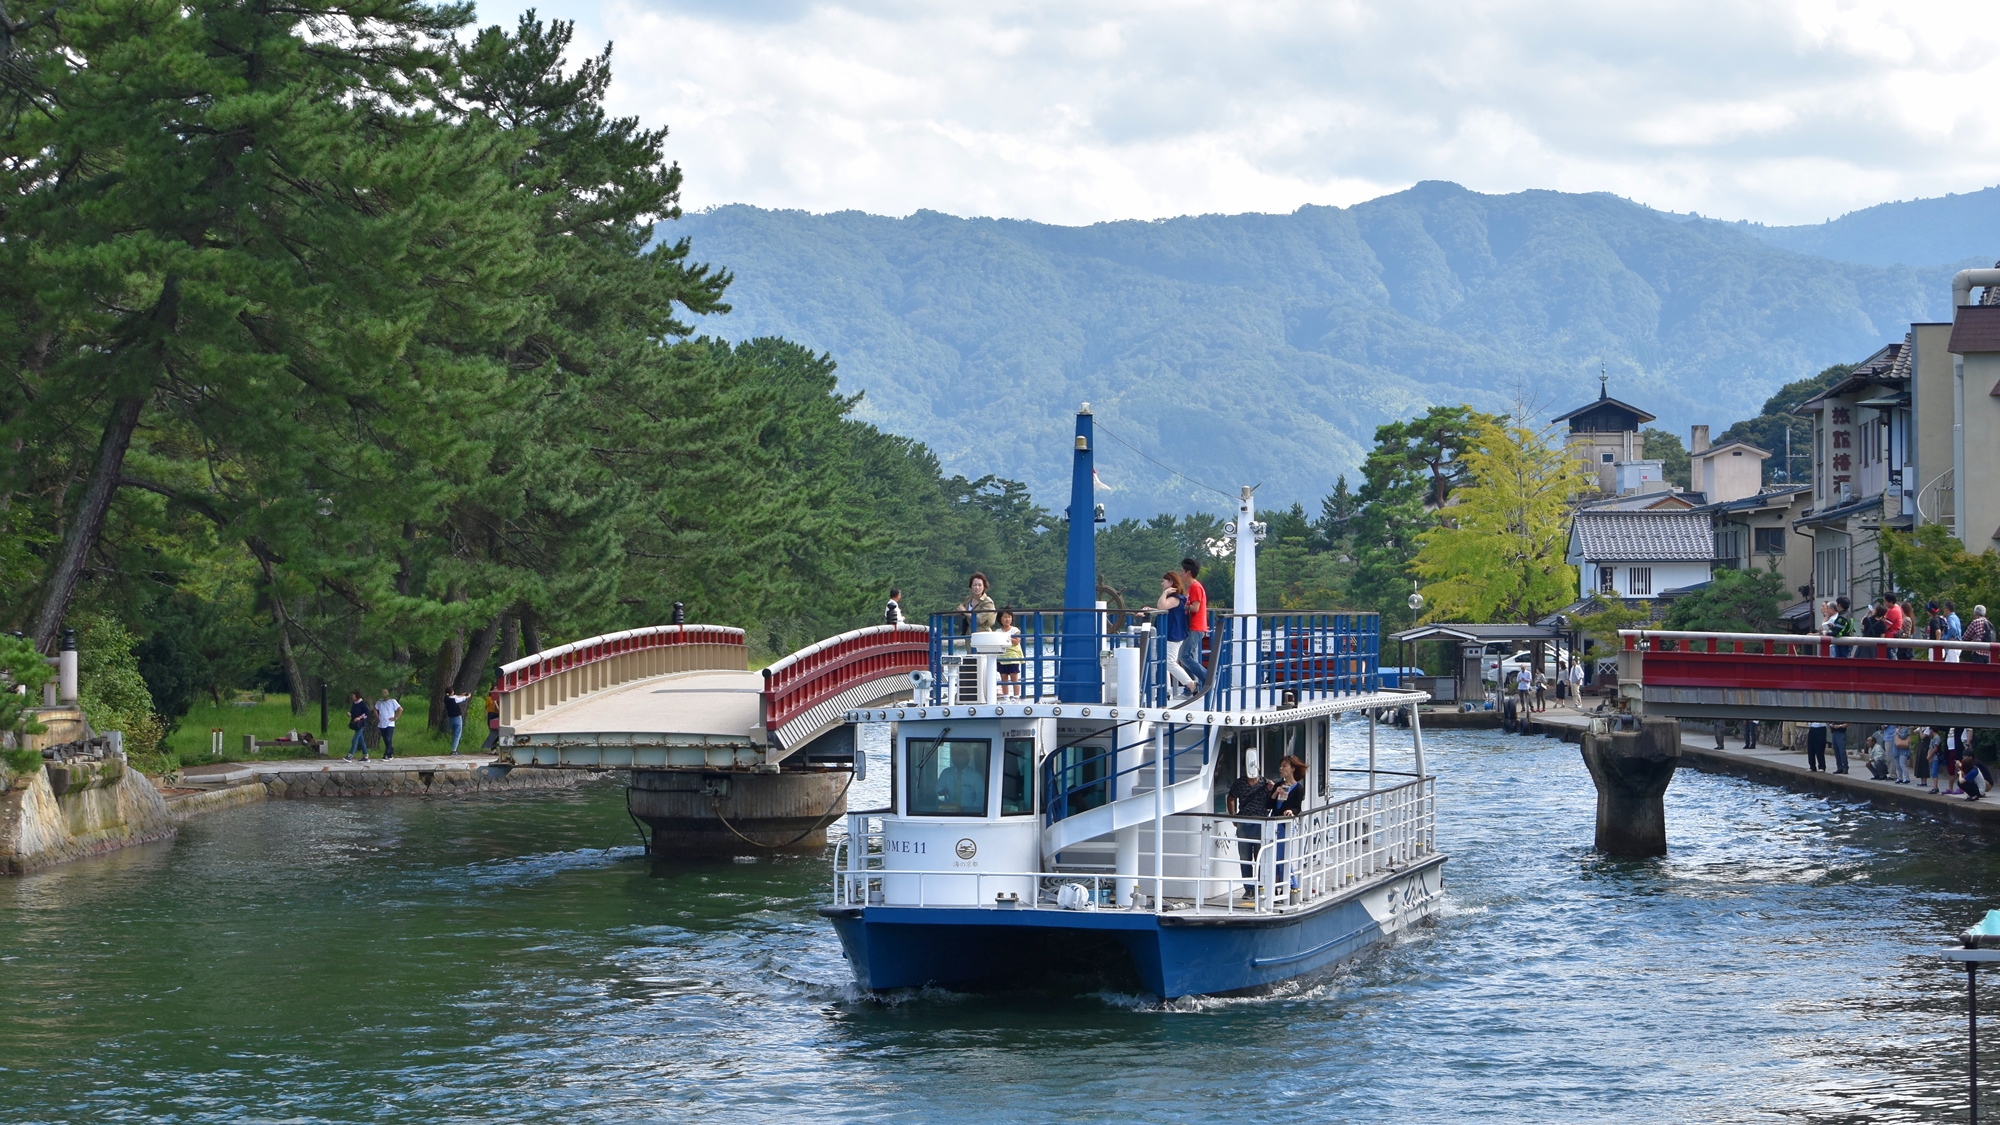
(1878,758)
(1933,756)
(1576,684)
(1979,631)
(1837,734)
(1541,691)
(1192,654)
(1898,739)
(357,721)
(1816,747)
(1749,734)
(492,721)
(454,716)
(386,710)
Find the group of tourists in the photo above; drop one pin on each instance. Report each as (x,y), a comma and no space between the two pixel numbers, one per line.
(1941,756)
(375,723)
(1181,615)
(1892,616)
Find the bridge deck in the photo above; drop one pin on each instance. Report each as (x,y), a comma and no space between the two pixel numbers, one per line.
(712,707)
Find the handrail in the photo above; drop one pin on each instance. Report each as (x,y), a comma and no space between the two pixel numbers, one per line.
(1634,638)
(595,648)
(544,679)
(822,673)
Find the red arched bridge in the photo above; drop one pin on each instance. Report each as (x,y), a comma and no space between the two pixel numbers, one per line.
(683,697)
(1812,678)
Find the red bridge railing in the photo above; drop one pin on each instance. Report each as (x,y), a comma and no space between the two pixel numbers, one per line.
(822,673)
(1810,662)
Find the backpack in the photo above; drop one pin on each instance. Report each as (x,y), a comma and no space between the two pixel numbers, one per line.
(892,614)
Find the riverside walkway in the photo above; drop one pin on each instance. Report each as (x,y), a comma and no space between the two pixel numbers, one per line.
(1777,765)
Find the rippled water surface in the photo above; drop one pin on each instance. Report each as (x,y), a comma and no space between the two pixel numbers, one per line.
(516,958)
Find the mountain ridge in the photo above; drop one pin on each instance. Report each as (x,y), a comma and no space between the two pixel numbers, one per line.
(1247,348)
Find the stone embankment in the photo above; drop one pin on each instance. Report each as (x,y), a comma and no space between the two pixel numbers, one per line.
(69,810)
(398,777)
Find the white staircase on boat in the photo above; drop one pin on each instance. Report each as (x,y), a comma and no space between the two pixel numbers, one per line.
(1190,794)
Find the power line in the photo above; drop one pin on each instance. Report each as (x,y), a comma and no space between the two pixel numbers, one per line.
(1168,468)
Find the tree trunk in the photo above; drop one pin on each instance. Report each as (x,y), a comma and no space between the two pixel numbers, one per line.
(450,653)
(510,639)
(531,631)
(89,522)
(401,652)
(472,670)
(290,659)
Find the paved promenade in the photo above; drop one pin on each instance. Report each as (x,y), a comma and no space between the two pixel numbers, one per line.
(1787,768)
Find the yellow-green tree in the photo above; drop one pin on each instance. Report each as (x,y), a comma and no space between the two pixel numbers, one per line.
(1499,556)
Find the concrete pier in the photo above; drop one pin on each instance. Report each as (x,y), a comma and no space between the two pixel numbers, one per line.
(1632,770)
(717,813)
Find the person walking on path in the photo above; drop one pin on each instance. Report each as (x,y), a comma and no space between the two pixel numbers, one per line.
(1816,747)
(1197,615)
(1541,692)
(1979,631)
(386,710)
(978,605)
(357,721)
(492,722)
(1576,684)
(454,716)
(892,614)
(1837,734)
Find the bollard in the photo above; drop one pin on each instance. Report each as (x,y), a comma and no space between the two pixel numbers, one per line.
(1632,770)
(66,667)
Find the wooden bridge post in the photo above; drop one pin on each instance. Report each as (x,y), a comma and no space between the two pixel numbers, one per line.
(1632,770)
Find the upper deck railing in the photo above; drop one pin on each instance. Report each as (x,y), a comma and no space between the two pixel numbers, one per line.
(1248,662)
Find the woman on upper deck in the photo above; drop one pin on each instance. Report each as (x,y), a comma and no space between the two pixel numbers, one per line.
(1171,610)
(1289,798)
(978,603)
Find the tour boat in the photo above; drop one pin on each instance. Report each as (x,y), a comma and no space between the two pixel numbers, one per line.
(1077,810)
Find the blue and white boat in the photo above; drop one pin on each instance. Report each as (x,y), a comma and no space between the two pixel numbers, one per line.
(1080,812)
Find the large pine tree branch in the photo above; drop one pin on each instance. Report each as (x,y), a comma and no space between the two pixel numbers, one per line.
(88,525)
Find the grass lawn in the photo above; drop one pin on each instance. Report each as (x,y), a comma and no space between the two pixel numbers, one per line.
(272,718)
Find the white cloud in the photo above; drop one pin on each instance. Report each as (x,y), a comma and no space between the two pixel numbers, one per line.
(1781,111)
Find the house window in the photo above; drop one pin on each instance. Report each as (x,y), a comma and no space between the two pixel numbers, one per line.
(1607,580)
(1729,546)
(1607,458)
(1639,581)
(1770,540)
(1830,572)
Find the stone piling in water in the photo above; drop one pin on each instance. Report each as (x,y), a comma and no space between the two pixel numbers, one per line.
(1632,770)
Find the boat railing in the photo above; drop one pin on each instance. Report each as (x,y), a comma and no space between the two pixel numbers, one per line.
(1212,865)
(1246,662)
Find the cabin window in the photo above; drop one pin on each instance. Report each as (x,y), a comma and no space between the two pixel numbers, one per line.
(1017,771)
(1079,776)
(949,778)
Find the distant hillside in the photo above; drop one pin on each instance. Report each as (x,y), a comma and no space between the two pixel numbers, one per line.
(1266,348)
(1918,232)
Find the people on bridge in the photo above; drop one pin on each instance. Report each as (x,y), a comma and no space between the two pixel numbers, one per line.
(1874,623)
(978,604)
(1895,622)
(1954,630)
(1839,624)
(357,721)
(892,614)
(1980,631)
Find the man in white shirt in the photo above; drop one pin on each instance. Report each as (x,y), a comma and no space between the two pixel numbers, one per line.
(386,710)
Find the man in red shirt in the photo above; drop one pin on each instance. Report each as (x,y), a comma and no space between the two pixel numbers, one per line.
(1197,612)
(1894,621)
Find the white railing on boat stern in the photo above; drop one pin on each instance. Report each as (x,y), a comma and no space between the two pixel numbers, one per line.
(1221,865)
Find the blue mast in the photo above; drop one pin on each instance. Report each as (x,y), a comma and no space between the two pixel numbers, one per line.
(1079,676)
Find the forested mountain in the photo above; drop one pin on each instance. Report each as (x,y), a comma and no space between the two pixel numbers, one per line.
(1245,349)
(1918,232)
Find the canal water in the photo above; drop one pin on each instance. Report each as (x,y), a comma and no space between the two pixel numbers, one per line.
(517,957)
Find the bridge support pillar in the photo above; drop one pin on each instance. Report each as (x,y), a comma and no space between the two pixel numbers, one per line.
(696,813)
(1632,770)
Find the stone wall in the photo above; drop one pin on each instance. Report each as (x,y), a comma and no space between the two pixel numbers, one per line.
(295,785)
(78,808)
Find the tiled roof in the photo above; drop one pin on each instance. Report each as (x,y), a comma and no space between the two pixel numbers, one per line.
(1642,536)
(1976,328)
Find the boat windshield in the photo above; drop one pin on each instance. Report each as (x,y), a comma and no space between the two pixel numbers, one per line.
(949,778)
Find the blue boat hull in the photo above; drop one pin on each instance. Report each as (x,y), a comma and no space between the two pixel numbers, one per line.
(1172,954)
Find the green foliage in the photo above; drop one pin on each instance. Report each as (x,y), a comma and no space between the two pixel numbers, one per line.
(1604,625)
(1767,430)
(1931,563)
(109,687)
(23,671)
(1501,555)
(1675,466)
(1734,601)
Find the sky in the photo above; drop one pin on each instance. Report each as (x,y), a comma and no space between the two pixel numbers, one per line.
(1776,111)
